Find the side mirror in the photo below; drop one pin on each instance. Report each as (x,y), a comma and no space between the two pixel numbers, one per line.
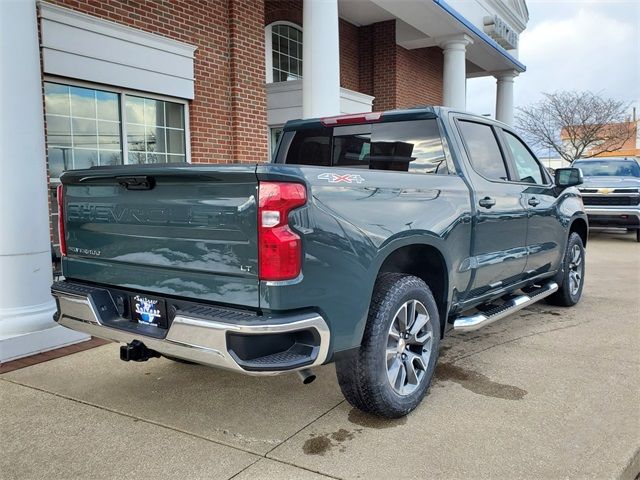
(568,177)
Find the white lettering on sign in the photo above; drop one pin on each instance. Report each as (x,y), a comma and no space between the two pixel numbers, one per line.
(501,32)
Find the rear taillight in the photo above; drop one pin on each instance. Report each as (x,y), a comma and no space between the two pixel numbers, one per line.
(61,235)
(279,247)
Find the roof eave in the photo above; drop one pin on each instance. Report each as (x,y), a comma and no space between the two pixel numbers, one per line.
(478,34)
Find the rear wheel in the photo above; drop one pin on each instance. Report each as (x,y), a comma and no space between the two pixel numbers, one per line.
(638,235)
(392,371)
(572,281)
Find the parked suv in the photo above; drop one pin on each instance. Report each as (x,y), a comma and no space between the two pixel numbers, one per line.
(363,242)
(611,192)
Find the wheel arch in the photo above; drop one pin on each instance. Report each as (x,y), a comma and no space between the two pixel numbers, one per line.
(425,261)
(580,226)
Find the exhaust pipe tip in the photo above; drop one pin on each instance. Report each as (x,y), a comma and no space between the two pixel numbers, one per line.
(307,376)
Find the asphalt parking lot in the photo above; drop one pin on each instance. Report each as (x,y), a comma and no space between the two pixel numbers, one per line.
(547,393)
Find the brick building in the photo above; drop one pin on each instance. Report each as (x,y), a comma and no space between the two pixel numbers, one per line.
(615,140)
(100,82)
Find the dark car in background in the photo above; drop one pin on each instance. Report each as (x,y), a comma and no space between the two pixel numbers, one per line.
(611,192)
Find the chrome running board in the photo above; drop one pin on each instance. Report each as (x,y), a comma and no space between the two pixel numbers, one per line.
(479,320)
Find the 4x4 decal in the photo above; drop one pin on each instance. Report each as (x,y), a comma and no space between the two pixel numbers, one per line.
(337,178)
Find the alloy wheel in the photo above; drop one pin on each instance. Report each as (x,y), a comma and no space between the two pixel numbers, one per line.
(576,266)
(409,347)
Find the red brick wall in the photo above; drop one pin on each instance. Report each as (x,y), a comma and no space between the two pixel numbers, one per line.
(283,10)
(248,93)
(230,99)
(365,54)
(349,56)
(418,77)
(384,65)
(395,76)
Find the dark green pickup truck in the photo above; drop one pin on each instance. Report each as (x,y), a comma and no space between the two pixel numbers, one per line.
(366,239)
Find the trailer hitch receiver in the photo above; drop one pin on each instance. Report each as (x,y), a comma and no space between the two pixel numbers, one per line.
(136,351)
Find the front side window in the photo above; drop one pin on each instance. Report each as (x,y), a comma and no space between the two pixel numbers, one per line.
(483,150)
(529,171)
(286,53)
(85,128)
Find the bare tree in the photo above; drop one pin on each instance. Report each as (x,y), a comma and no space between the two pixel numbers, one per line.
(576,124)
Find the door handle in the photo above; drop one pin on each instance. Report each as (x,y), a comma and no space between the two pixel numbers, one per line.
(534,202)
(487,202)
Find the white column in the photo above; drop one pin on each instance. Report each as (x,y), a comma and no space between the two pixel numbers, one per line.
(26,305)
(504,96)
(454,76)
(320,59)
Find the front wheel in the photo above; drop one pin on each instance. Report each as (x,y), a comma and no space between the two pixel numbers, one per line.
(572,280)
(392,371)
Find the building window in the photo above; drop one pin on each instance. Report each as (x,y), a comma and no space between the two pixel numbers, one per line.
(284,52)
(85,128)
(155,131)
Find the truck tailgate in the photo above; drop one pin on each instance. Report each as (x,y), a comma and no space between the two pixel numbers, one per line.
(186,231)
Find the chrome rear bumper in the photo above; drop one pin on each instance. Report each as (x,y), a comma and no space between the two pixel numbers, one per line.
(200,340)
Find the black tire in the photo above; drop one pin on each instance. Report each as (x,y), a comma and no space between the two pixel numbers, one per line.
(638,235)
(568,295)
(364,378)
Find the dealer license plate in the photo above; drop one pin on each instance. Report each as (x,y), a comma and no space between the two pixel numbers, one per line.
(149,310)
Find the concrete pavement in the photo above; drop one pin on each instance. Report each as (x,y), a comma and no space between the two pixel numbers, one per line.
(547,393)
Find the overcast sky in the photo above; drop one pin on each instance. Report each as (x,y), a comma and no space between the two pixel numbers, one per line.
(573,45)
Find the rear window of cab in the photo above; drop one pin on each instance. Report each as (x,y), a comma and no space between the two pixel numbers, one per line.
(414,146)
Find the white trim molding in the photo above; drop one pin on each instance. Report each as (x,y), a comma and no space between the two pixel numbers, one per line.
(284,102)
(83,47)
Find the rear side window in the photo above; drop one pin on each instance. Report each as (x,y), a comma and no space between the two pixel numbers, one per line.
(308,147)
(484,152)
(352,146)
(412,146)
